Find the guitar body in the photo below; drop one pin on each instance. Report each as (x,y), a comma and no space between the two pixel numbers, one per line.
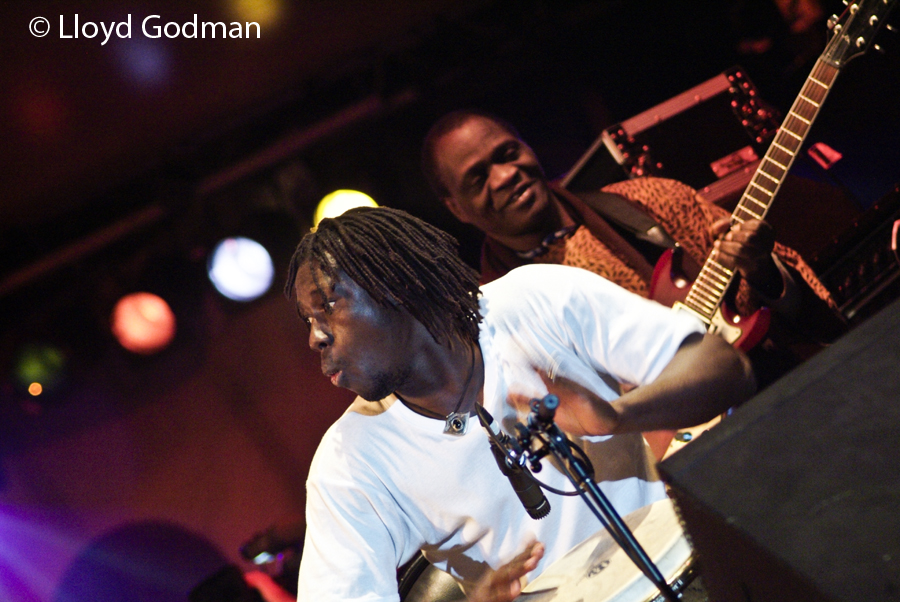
(670,285)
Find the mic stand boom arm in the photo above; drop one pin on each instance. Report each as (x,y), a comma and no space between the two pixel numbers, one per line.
(541,426)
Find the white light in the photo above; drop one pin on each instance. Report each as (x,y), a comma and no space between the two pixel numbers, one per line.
(241,269)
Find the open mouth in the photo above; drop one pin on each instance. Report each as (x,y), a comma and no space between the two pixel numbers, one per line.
(522,195)
(332,374)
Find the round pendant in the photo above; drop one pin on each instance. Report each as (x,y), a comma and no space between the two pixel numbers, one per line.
(456,424)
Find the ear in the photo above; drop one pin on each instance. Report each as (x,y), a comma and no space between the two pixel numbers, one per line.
(456,209)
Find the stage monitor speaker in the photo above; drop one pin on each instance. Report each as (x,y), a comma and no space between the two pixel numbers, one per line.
(861,267)
(711,132)
(796,495)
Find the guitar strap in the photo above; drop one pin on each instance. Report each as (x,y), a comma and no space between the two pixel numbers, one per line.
(627,215)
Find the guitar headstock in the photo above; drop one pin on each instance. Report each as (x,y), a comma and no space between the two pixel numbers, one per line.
(854,31)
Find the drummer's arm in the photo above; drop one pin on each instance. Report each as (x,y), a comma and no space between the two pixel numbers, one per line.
(704,378)
(505,583)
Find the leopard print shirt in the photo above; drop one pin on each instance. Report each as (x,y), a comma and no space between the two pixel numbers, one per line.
(687,219)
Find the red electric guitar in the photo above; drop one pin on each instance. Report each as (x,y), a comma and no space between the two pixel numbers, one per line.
(852,36)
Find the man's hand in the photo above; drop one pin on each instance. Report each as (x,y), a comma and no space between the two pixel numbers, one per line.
(505,584)
(268,589)
(747,248)
(581,411)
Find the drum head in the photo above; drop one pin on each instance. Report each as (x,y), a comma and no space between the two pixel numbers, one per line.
(600,571)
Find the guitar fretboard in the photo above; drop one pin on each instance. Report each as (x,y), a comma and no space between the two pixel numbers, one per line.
(709,288)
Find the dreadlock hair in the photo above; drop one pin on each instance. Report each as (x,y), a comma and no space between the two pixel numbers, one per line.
(400,261)
(441,128)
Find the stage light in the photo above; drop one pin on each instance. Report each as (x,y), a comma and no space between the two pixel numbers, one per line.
(143,323)
(241,269)
(264,12)
(145,63)
(339,201)
(40,367)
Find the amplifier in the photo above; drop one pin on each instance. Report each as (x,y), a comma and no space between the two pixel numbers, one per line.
(711,132)
(860,267)
(796,495)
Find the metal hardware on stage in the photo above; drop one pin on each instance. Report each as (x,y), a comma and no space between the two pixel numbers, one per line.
(577,468)
(723,122)
(420,581)
(860,268)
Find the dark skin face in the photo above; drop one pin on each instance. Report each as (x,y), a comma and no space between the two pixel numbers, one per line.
(496,183)
(363,345)
(375,350)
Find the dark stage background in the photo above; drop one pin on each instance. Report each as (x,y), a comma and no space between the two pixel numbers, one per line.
(132,156)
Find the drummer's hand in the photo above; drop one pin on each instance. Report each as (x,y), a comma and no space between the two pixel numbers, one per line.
(581,411)
(747,247)
(268,589)
(505,584)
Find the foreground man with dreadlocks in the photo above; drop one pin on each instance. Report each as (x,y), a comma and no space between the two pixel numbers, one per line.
(399,319)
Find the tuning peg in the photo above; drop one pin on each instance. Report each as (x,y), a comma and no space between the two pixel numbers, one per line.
(890,27)
(832,21)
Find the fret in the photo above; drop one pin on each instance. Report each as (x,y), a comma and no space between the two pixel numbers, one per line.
(815,81)
(752,205)
(761,202)
(793,125)
(713,287)
(772,167)
(702,297)
(711,283)
(766,185)
(810,101)
(795,140)
(716,280)
(715,265)
(763,172)
(793,145)
(755,185)
(803,119)
(771,160)
(751,213)
(706,287)
(703,294)
(707,309)
(754,201)
(810,106)
(760,193)
(784,148)
(776,157)
(711,293)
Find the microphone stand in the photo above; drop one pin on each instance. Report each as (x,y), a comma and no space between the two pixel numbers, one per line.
(541,426)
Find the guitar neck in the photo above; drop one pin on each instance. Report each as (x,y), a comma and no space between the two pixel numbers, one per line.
(709,288)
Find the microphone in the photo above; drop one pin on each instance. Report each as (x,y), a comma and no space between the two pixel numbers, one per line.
(543,410)
(528,490)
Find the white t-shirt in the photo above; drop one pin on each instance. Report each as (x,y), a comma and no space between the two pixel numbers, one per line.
(386,482)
